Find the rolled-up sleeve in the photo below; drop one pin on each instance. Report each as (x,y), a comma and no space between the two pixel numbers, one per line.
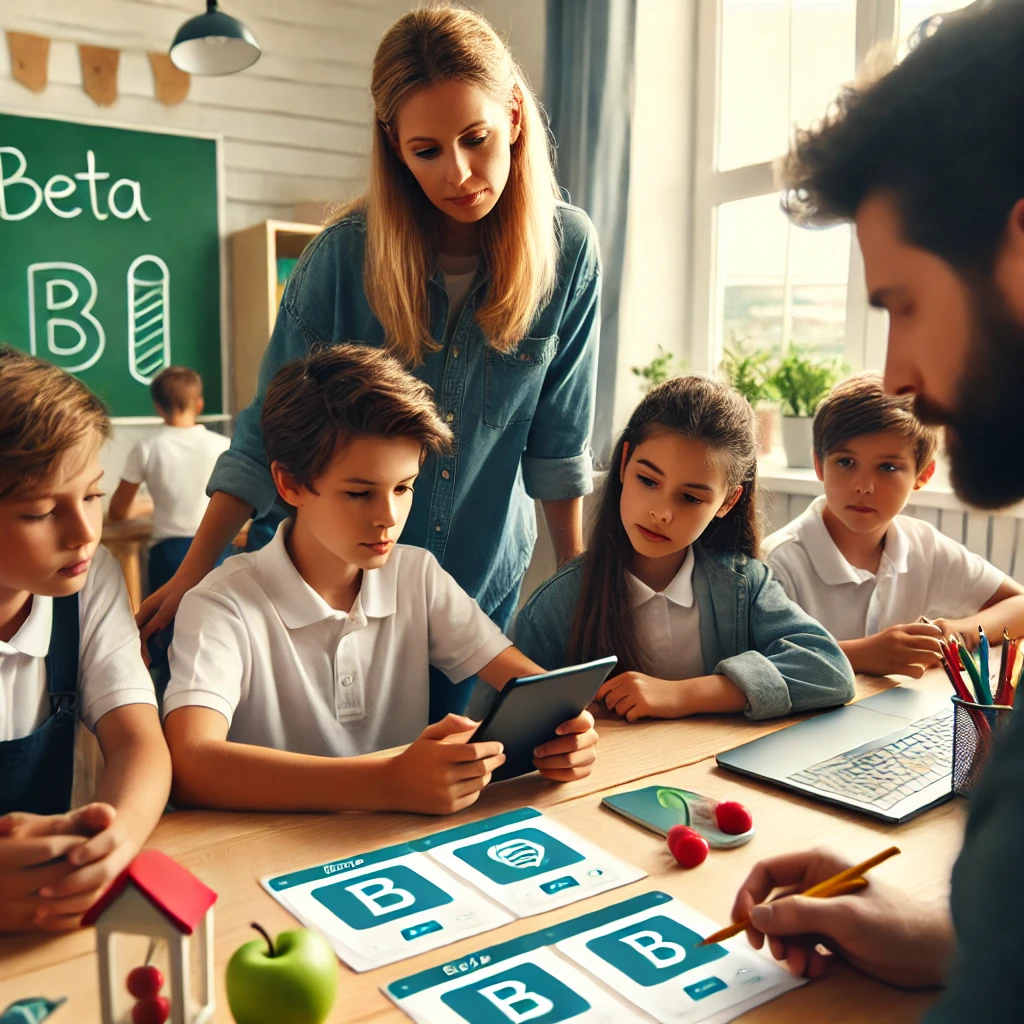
(557,463)
(242,470)
(794,664)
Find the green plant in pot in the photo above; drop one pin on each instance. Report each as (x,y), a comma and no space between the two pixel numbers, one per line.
(748,370)
(658,370)
(801,381)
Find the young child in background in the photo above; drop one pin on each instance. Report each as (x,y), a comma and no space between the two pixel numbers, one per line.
(869,574)
(292,664)
(69,651)
(175,464)
(670,581)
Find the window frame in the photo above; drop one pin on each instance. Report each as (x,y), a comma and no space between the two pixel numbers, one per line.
(877,21)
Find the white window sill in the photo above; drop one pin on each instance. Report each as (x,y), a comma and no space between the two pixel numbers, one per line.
(775,475)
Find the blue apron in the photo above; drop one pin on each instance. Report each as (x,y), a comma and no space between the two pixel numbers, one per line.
(37,770)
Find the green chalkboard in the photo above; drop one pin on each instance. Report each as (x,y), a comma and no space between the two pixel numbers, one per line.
(110,254)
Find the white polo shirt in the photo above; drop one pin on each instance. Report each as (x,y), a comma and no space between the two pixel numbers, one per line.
(668,625)
(922,572)
(111,673)
(175,464)
(255,642)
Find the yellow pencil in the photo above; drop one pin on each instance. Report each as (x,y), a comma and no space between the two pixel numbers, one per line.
(850,880)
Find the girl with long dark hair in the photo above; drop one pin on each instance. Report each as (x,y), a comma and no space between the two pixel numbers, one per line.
(670,582)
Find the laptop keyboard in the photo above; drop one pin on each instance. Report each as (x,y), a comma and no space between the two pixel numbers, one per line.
(883,776)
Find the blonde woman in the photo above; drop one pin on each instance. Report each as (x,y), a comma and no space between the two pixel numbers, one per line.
(460,260)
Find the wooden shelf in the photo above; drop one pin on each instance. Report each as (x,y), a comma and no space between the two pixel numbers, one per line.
(254,300)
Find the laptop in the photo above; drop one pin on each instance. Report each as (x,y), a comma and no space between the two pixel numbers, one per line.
(890,755)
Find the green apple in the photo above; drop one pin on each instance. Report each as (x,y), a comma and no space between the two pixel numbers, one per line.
(293,980)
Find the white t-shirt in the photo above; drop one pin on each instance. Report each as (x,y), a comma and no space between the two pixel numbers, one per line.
(175,464)
(459,274)
(922,572)
(668,625)
(111,673)
(255,642)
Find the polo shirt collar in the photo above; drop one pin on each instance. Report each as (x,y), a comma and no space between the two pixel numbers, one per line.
(33,638)
(829,562)
(300,605)
(679,591)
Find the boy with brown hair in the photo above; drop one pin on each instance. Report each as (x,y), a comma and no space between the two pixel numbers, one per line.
(292,664)
(867,573)
(175,464)
(69,652)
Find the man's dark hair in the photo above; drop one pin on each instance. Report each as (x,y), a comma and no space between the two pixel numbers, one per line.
(339,393)
(941,133)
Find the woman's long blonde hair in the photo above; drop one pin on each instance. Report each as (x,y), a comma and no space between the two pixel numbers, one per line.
(518,237)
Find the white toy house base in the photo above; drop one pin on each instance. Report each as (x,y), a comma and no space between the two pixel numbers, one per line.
(156,897)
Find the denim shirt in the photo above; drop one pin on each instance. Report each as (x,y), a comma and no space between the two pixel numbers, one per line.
(781,658)
(521,420)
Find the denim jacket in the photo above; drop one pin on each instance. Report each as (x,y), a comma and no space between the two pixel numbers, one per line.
(521,420)
(749,631)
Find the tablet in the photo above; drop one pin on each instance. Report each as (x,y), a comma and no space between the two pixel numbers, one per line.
(529,709)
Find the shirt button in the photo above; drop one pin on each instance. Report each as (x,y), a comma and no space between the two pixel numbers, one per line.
(455,352)
(437,529)
(445,473)
(449,417)
(346,680)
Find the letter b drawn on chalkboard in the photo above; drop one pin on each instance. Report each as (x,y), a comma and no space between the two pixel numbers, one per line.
(149,318)
(75,338)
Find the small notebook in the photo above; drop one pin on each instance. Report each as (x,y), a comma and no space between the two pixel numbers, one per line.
(658,808)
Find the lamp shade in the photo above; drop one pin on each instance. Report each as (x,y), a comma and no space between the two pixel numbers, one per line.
(214,43)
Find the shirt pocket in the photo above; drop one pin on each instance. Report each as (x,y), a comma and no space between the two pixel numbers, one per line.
(513,380)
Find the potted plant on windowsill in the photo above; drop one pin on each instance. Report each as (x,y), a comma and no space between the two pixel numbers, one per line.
(749,371)
(801,381)
(663,366)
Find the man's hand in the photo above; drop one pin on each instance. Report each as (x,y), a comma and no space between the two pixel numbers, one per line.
(34,854)
(440,773)
(573,754)
(907,650)
(633,695)
(880,930)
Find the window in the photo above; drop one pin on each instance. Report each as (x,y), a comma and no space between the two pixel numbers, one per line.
(765,67)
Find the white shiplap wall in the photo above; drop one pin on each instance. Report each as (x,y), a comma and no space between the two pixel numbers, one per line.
(294,124)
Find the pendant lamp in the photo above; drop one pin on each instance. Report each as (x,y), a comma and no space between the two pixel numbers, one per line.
(214,43)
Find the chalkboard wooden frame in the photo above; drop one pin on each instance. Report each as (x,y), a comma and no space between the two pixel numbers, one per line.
(217,139)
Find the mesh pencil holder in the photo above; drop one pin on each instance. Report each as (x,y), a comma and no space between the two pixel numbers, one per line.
(975,727)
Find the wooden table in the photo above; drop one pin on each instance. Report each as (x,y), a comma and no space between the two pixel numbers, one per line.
(124,540)
(232,851)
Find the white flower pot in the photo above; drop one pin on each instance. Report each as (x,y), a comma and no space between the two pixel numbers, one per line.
(797,439)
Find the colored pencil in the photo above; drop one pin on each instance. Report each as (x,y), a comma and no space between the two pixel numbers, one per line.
(838,885)
(980,685)
(983,667)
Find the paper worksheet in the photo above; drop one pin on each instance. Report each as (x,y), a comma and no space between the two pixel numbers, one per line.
(399,901)
(637,960)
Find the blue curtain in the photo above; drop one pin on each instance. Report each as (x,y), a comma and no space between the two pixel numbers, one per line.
(589,98)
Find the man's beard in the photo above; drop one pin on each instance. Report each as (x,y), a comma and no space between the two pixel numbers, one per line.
(985,444)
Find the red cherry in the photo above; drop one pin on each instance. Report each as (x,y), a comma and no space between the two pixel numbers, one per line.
(688,847)
(151,1011)
(145,982)
(733,818)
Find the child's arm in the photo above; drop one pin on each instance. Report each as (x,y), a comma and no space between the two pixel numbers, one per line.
(634,695)
(121,502)
(135,782)
(572,753)
(438,773)
(1004,609)
(904,650)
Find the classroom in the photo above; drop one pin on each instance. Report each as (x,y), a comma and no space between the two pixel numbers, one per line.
(509,511)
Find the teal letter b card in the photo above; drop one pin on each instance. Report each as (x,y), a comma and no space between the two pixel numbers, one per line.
(654,950)
(524,993)
(381,896)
